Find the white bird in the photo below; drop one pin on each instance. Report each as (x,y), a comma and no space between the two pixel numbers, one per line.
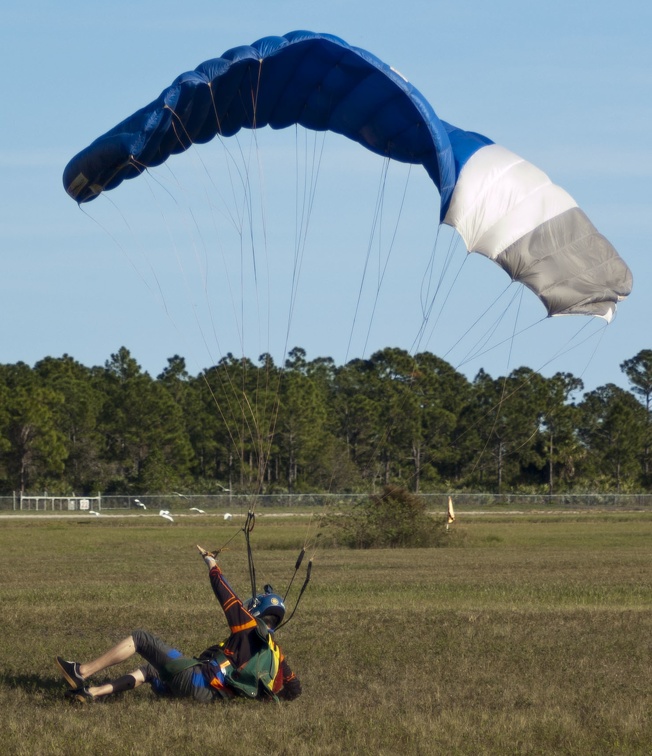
(227,515)
(164,513)
(194,509)
(139,503)
(93,512)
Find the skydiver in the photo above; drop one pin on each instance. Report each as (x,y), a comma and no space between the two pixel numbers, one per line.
(247,664)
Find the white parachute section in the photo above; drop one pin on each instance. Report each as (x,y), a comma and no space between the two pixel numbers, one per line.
(508,210)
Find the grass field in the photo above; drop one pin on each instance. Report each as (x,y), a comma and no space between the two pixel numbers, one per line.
(532,636)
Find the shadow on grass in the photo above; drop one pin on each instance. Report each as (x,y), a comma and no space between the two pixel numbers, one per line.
(48,688)
(33,683)
(39,689)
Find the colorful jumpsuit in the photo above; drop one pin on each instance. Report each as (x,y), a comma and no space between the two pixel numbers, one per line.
(212,675)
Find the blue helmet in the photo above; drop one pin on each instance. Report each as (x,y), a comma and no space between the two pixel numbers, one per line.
(267,604)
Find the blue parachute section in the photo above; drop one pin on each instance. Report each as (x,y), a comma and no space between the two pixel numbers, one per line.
(314,80)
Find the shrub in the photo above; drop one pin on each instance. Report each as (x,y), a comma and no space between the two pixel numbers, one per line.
(395,518)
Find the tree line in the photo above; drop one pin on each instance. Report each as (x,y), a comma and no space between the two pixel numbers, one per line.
(311,425)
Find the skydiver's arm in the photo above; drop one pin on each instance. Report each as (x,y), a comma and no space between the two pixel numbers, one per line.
(236,615)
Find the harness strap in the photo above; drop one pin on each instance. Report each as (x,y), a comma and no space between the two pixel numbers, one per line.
(219,678)
(174,666)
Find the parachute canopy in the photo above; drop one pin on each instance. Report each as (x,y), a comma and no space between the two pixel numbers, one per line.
(502,206)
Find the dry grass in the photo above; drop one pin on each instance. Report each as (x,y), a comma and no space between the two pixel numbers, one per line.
(532,638)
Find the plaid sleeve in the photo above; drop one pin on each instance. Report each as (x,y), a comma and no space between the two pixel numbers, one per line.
(236,615)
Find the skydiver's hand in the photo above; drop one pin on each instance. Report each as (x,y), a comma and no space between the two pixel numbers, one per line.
(209,559)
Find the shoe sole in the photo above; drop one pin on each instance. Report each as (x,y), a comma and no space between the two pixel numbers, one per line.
(70,680)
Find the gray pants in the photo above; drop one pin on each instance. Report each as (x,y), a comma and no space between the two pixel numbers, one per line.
(189,682)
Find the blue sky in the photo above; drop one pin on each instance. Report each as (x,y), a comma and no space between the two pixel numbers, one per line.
(568,86)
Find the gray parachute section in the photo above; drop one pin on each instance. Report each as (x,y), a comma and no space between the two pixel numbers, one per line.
(570,266)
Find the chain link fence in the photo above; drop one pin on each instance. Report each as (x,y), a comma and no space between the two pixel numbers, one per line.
(240,503)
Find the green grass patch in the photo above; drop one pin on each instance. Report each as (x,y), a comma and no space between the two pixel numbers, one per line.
(530,635)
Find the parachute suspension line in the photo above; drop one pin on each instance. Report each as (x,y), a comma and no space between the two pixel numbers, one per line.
(201,266)
(511,342)
(231,165)
(201,260)
(158,288)
(480,346)
(494,410)
(224,377)
(429,297)
(256,148)
(311,172)
(165,223)
(230,162)
(136,269)
(297,565)
(247,412)
(366,261)
(248,528)
(527,379)
(249,426)
(122,249)
(232,391)
(471,356)
(303,211)
(569,346)
(382,266)
(375,231)
(301,592)
(273,392)
(425,310)
(299,559)
(301,232)
(264,435)
(601,332)
(426,300)
(503,395)
(215,554)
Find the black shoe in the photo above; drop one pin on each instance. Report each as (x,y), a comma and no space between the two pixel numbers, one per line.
(70,670)
(81,694)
